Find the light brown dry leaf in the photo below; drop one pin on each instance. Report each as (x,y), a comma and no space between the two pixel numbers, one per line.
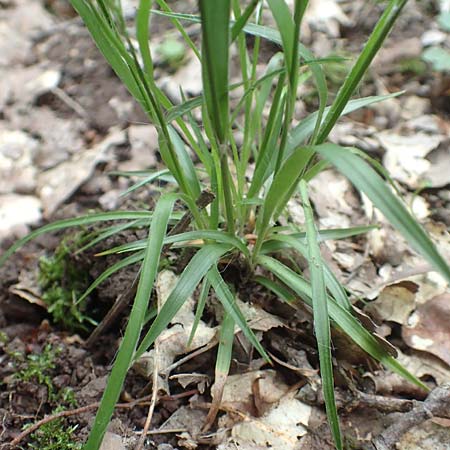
(421,365)
(395,303)
(143,146)
(279,429)
(59,183)
(333,198)
(257,318)
(426,436)
(173,341)
(405,157)
(428,328)
(189,420)
(239,390)
(17,172)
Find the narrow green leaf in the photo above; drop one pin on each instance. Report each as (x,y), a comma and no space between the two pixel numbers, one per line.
(223,362)
(197,268)
(343,318)
(364,177)
(205,235)
(215,19)
(76,222)
(285,24)
(127,348)
(160,174)
(300,134)
(243,19)
(227,299)
(333,285)
(185,163)
(321,319)
(142,34)
(105,233)
(285,180)
(201,303)
(133,259)
(375,41)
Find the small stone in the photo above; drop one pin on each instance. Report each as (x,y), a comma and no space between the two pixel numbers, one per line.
(433,37)
(16,212)
(112,441)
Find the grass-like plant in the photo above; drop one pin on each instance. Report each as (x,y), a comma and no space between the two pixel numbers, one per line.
(240,223)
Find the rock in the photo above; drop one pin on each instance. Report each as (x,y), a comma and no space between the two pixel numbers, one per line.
(433,37)
(112,441)
(16,212)
(17,173)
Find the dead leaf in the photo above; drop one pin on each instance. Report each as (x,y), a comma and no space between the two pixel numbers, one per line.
(428,328)
(428,435)
(173,341)
(238,391)
(279,429)
(59,183)
(395,303)
(405,157)
(333,198)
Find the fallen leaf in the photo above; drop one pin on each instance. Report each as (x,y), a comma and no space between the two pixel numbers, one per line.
(405,156)
(279,429)
(238,392)
(173,341)
(395,303)
(59,183)
(428,328)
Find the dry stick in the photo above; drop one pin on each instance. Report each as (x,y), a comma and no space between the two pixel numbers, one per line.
(68,413)
(437,404)
(206,197)
(73,412)
(151,408)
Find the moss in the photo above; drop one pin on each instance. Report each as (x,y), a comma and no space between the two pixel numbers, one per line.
(63,280)
(54,435)
(39,368)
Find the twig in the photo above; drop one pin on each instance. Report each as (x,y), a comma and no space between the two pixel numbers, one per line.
(142,401)
(154,398)
(437,404)
(72,412)
(71,103)
(151,408)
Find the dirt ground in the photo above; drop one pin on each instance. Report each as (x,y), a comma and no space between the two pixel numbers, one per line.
(66,123)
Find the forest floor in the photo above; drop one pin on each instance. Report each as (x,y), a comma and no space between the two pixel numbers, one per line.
(66,123)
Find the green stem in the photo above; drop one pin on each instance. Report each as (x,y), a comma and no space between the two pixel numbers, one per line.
(379,34)
(226,185)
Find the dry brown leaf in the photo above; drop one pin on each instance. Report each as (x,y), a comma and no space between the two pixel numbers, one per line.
(239,390)
(428,328)
(279,429)
(59,183)
(395,302)
(405,157)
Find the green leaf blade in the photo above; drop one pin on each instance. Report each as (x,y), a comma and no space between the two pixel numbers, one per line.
(321,318)
(368,181)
